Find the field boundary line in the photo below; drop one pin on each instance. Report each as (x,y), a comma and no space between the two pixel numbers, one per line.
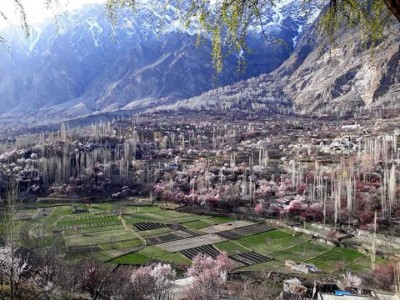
(52,226)
(133,231)
(291,247)
(234,242)
(323,253)
(351,262)
(136,234)
(125,253)
(299,244)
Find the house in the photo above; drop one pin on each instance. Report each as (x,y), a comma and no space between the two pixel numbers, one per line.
(302,268)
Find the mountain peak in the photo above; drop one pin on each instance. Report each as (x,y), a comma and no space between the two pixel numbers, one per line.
(146,59)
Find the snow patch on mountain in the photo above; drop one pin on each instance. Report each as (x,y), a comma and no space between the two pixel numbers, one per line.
(96,30)
(147,57)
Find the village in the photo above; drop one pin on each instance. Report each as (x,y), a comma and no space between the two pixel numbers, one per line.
(312,185)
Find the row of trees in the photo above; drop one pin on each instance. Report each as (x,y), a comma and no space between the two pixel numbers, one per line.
(39,273)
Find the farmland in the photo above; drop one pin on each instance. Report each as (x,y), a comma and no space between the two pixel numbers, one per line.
(143,234)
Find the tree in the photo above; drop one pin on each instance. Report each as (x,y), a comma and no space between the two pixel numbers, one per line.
(13,271)
(209,277)
(13,267)
(142,282)
(152,282)
(94,278)
(383,276)
(352,281)
(164,277)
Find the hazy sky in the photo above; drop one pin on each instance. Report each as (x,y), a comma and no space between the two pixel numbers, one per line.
(36,10)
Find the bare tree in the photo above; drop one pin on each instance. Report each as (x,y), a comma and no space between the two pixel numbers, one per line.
(13,267)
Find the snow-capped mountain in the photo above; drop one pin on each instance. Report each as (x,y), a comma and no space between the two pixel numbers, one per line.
(83,64)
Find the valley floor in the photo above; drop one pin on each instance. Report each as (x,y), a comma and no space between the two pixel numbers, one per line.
(124,234)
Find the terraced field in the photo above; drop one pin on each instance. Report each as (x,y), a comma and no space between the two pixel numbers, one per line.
(336,259)
(169,237)
(271,241)
(250,258)
(191,242)
(143,226)
(87,223)
(206,250)
(151,254)
(144,234)
(102,237)
(199,224)
(302,252)
(231,247)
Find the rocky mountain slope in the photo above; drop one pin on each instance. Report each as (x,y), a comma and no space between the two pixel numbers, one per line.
(148,58)
(320,78)
(344,77)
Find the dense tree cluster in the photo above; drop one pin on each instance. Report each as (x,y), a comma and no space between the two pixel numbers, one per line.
(266,166)
(39,273)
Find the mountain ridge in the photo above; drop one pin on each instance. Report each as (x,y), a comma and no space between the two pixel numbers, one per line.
(320,78)
(152,60)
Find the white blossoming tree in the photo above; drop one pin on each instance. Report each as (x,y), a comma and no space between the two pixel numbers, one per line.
(13,271)
(153,282)
(352,281)
(209,277)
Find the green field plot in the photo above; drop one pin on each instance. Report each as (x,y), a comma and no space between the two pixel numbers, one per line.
(101,207)
(134,215)
(97,238)
(140,209)
(87,223)
(154,214)
(57,213)
(169,214)
(154,232)
(152,254)
(364,264)
(175,258)
(121,245)
(219,220)
(205,222)
(269,265)
(301,252)
(274,240)
(185,219)
(137,218)
(153,251)
(77,217)
(199,224)
(143,209)
(99,233)
(335,259)
(132,259)
(231,247)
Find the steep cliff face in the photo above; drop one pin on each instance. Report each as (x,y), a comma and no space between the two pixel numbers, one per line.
(344,77)
(321,78)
